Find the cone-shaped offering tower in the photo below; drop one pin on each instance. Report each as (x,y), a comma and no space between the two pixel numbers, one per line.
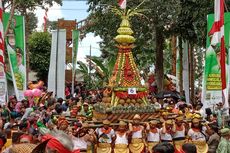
(124,94)
(125,78)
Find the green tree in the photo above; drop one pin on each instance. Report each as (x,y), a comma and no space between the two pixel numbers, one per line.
(160,15)
(32,25)
(39,44)
(26,9)
(100,71)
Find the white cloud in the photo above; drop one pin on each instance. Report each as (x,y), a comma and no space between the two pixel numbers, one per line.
(84,47)
(53,14)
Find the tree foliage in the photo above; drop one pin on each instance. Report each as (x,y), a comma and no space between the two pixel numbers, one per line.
(29,4)
(26,8)
(186,19)
(150,30)
(32,25)
(39,44)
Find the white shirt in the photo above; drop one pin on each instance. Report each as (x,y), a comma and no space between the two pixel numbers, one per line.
(179,134)
(166,136)
(79,143)
(105,138)
(137,134)
(153,137)
(197,136)
(121,139)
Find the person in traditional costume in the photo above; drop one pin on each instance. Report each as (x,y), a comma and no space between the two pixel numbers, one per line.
(84,139)
(178,133)
(167,132)
(105,135)
(137,144)
(153,134)
(62,124)
(224,145)
(197,134)
(121,138)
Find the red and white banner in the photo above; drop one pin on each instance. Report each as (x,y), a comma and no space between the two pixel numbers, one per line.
(122,4)
(3,87)
(217,33)
(45,19)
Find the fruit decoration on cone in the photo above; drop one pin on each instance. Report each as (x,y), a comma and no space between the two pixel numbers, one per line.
(125,74)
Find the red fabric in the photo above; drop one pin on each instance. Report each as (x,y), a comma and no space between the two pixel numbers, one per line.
(124,95)
(55,144)
(28,137)
(45,19)
(2,47)
(222,63)
(1,142)
(222,48)
(179,151)
(122,4)
(76,151)
(218,26)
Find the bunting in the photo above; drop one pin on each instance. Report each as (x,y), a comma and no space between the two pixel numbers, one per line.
(3,85)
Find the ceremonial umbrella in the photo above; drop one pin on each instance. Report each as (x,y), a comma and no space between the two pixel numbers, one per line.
(168,94)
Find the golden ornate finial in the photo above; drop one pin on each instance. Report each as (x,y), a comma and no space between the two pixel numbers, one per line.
(125,32)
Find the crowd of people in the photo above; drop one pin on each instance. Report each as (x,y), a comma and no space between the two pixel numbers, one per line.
(56,125)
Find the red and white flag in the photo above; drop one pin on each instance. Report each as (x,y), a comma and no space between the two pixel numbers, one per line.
(3,86)
(122,4)
(1,36)
(45,19)
(217,33)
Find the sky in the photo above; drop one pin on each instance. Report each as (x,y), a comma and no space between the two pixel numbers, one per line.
(71,10)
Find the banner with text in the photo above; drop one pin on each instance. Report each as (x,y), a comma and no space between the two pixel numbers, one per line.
(212,86)
(15,46)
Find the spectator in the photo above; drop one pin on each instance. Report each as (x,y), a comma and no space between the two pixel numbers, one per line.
(164,148)
(224,145)
(189,148)
(2,141)
(214,139)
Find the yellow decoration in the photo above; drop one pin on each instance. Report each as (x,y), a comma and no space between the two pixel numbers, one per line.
(125,32)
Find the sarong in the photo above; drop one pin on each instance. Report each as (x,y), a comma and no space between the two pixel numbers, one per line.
(137,146)
(178,144)
(121,148)
(104,148)
(202,146)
